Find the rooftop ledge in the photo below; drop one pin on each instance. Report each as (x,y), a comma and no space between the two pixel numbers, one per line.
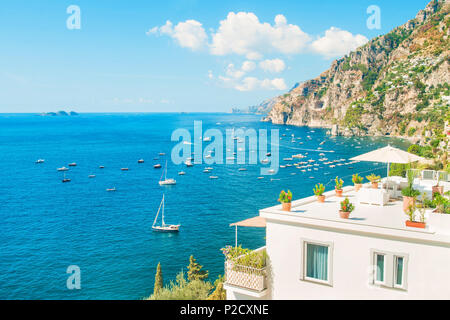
(388,220)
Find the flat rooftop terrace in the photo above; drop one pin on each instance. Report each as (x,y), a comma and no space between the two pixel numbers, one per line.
(388,220)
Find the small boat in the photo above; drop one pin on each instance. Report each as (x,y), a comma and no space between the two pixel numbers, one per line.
(157,166)
(164,227)
(265,161)
(188,163)
(166,182)
(141,161)
(111,189)
(271,171)
(40,161)
(209,168)
(260,178)
(73,164)
(214,177)
(268,154)
(65,179)
(208,156)
(207,139)
(62,169)
(162,154)
(124,169)
(102,167)
(242,169)
(181,173)
(92,176)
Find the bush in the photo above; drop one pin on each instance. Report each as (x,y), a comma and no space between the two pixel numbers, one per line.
(181,289)
(397,170)
(319,189)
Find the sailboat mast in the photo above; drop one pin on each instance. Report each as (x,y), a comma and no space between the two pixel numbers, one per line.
(163,223)
(157,214)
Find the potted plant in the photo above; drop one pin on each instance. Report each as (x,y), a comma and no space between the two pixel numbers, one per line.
(339,183)
(411,213)
(441,203)
(409,193)
(319,189)
(357,181)
(346,209)
(286,200)
(437,188)
(374,179)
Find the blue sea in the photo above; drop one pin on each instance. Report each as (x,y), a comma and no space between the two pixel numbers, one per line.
(47,225)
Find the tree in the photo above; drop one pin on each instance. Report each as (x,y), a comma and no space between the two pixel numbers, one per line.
(158,280)
(181,289)
(195,271)
(219,293)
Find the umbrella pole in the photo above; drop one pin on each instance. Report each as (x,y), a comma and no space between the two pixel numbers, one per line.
(236,237)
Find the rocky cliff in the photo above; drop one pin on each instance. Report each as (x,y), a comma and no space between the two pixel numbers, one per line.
(396,84)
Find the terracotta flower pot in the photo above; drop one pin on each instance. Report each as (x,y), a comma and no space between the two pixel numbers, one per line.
(339,192)
(287,206)
(415,224)
(438,189)
(374,185)
(321,198)
(344,215)
(358,186)
(407,202)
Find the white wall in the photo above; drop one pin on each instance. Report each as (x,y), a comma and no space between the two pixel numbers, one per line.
(428,275)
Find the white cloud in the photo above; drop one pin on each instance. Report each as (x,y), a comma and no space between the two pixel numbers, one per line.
(275,65)
(248,66)
(253,83)
(337,42)
(243,34)
(188,34)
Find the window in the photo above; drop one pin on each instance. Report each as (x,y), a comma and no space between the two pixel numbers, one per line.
(317,262)
(389,269)
(380,268)
(398,271)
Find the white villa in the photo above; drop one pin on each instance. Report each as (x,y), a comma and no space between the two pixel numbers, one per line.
(315,254)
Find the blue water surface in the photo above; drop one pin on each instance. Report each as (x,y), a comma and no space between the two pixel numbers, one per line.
(47,225)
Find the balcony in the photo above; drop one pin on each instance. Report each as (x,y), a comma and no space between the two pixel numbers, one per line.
(247,271)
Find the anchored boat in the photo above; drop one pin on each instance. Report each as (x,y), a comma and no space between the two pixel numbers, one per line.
(164,227)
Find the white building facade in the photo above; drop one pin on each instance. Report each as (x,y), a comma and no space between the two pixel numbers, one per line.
(314,254)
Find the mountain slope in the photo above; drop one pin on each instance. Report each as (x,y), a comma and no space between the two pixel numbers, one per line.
(396,84)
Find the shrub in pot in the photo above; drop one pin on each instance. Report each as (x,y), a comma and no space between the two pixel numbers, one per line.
(338,188)
(346,209)
(411,213)
(357,181)
(409,197)
(319,189)
(286,200)
(374,179)
(437,188)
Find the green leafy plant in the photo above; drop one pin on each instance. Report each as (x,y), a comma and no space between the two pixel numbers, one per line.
(442,203)
(346,206)
(285,197)
(410,212)
(319,189)
(410,192)
(356,179)
(339,183)
(373,178)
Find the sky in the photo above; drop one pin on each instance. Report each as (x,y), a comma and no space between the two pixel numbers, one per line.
(173,56)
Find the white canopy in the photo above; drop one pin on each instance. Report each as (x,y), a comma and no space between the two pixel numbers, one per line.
(255,222)
(388,155)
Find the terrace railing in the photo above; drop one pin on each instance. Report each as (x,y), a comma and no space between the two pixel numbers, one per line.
(245,277)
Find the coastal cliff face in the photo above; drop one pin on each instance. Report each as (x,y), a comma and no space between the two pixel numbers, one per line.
(396,84)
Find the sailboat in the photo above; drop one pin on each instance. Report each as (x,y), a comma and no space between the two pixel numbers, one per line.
(164,227)
(166,182)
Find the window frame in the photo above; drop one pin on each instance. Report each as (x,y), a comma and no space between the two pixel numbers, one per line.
(304,252)
(390,269)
